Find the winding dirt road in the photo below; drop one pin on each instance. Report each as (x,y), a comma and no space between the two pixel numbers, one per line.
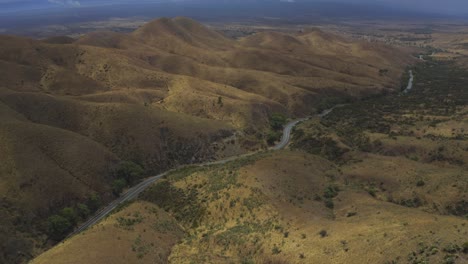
(137,189)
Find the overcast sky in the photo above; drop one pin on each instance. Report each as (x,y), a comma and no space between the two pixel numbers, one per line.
(437,6)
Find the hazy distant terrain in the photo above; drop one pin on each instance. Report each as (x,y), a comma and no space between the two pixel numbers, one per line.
(31,20)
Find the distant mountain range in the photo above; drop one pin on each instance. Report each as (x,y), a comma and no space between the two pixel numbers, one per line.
(28,13)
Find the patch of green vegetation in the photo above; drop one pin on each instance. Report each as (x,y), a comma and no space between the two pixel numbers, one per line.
(129,221)
(329,203)
(118,185)
(318,145)
(166,226)
(276,250)
(130,172)
(184,172)
(372,191)
(220,179)
(277,121)
(252,202)
(459,209)
(94,202)
(413,202)
(273,136)
(331,191)
(182,203)
(60,224)
(438,90)
(420,183)
(140,247)
(236,235)
(323,233)
(330,101)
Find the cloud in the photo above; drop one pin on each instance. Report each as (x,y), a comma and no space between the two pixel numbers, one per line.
(66,2)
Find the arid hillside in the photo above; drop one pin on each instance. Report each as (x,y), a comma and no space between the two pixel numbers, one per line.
(382,180)
(82,119)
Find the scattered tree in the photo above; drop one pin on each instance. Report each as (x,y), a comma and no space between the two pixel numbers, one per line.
(118,185)
(94,202)
(57,226)
(82,210)
(323,233)
(69,214)
(130,171)
(277,121)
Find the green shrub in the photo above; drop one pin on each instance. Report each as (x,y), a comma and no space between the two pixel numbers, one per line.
(272,137)
(69,214)
(94,202)
(118,185)
(323,233)
(372,191)
(350,214)
(82,210)
(451,248)
(329,203)
(276,250)
(58,226)
(331,191)
(465,247)
(130,171)
(277,121)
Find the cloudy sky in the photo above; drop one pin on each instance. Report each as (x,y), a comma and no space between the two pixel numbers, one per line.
(437,6)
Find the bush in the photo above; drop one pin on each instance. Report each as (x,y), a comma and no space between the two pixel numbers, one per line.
(451,248)
(276,250)
(69,214)
(118,185)
(323,233)
(331,191)
(465,247)
(272,137)
(82,210)
(94,202)
(350,214)
(58,226)
(277,121)
(372,191)
(420,183)
(329,203)
(130,171)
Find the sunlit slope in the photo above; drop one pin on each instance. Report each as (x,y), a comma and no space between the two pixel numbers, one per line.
(273,208)
(182,66)
(294,70)
(142,233)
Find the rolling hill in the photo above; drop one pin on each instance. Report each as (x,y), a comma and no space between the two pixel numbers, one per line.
(356,186)
(172,92)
